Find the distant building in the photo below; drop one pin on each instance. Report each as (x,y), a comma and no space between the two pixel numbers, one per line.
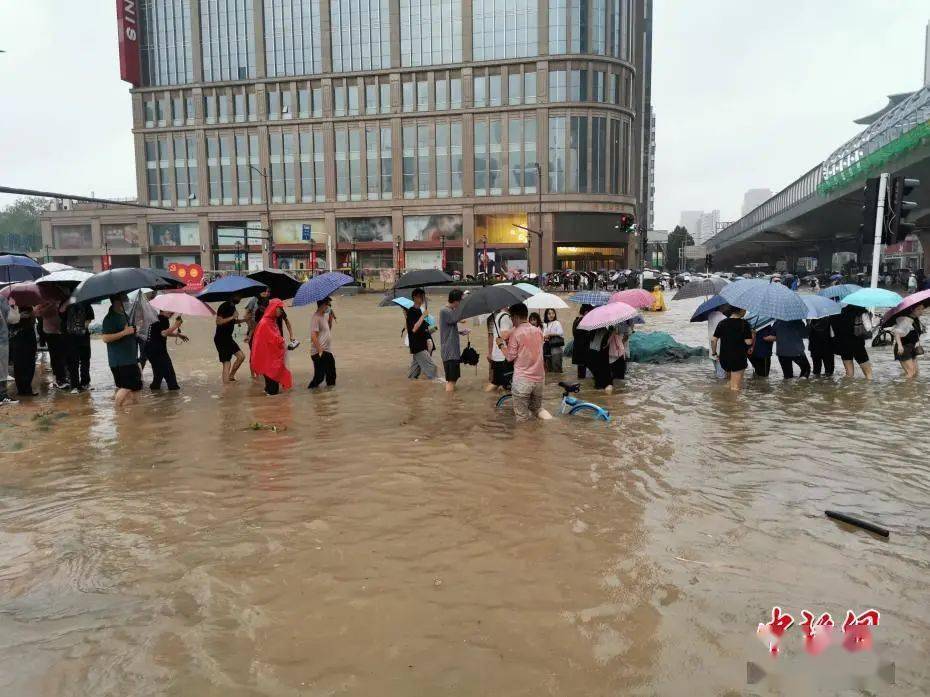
(691,221)
(707,227)
(656,248)
(651,180)
(754,198)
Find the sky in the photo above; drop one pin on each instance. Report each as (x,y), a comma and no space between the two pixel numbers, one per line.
(747,93)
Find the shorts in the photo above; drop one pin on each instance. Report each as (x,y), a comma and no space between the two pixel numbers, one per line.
(857,353)
(127,377)
(226,349)
(501,373)
(733,364)
(908,354)
(452,369)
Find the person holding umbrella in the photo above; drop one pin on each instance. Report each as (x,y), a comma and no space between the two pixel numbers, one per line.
(449,331)
(418,337)
(789,347)
(820,345)
(269,350)
(761,354)
(226,347)
(907,330)
(321,325)
(122,350)
(78,317)
(734,336)
(23,350)
(580,340)
(156,349)
(850,330)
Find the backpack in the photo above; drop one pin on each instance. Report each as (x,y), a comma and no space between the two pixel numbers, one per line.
(862,326)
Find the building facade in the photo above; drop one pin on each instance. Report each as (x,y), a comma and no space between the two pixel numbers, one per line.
(753,198)
(388,133)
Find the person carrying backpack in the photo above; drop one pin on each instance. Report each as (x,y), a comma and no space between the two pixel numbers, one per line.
(851,328)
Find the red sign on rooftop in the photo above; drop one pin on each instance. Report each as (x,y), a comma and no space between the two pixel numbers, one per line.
(127,20)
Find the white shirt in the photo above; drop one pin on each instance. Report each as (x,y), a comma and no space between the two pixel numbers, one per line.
(912,282)
(713,319)
(553,328)
(504,324)
(903,326)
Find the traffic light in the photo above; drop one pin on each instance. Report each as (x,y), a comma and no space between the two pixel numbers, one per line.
(709,261)
(869,210)
(627,222)
(900,208)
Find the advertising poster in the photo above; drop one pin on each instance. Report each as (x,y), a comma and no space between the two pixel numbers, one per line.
(423,259)
(120,235)
(432,228)
(364,229)
(174,234)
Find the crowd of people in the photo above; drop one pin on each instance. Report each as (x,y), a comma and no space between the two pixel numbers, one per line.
(522,346)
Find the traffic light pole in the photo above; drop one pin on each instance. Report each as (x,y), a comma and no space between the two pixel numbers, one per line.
(879,223)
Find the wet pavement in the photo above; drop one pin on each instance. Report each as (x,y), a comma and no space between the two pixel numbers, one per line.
(387,538)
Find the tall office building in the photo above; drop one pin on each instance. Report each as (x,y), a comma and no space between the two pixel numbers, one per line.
(754,198)
(691,221)
(395,133)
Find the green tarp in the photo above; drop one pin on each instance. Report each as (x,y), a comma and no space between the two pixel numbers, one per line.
(655,347)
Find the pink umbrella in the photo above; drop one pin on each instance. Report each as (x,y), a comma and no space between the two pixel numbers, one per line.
(905,305)
(182,304)
(608,315)
(634,297)
(29,294)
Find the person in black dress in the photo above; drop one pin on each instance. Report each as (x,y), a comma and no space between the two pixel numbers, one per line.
(820,344)
(850,330)
(581,339)
(734,336)
(23,348)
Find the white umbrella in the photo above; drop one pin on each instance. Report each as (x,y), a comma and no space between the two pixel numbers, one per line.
(54,266)
(67,275)
(545,301)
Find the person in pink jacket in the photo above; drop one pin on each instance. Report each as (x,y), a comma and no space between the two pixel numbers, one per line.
(524,347)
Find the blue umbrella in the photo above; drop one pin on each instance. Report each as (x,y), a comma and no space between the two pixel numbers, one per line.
(820,307)
(19,267)
(320,287)
(706,307)
(228,286)
(406,304)
(872,297)
(839,292)
(765,299)
(590,297)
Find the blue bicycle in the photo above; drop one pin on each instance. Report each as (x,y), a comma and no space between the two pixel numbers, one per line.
(570,405)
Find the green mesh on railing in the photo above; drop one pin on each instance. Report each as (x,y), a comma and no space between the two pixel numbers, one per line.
(877,160)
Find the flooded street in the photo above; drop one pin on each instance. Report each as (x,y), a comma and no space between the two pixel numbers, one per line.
(391,539)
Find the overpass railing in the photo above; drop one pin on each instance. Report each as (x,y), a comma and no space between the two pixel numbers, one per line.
(903,128)
(797,192)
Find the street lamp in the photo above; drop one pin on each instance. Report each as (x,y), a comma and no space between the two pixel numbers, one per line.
(264,175)
(442,254)
(354,260)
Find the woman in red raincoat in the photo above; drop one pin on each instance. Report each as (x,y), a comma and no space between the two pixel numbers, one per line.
(268,350)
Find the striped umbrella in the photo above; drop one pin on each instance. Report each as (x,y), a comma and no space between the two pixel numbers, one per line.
(590,297)
(765,299)
(320,287)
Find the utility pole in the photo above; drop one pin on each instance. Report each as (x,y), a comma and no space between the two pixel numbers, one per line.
(879,223)
(270,238)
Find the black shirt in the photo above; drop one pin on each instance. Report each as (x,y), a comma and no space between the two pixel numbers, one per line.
(158,344)
(417,339)
(733,332)
(225,331)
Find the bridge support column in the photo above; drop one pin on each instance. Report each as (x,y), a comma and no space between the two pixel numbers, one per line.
(924,237)
(825,251)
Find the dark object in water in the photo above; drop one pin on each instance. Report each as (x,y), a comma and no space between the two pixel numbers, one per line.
(858,523)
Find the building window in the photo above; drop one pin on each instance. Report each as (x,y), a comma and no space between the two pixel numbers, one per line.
(312,187)
(458,170)
(529,87)
(223,107)
(488,154)
(441,86)
(157,165)
(226,158)
(480,91)
(251,186)
(494,89)
(558,86)
(177,110)
(504,29)
(355,164)
(378,158)
(189,110)
(619,28)
(443,168)
(409,134)
(598,27)
(558,26)
(185,170)
(423,159)
(353,91)
(578,85)
(556,154)
(455,91)
(292,37)
(273,103)
(599,155)
(599,91)
(422,94)
(209,107)
(385,88)
(578,155)
(72,236)
(240,108)
(339,98)
(522,147)
(361,35)
(174,234)
(578,22)
(387,189)
(252,105)
(213,170)
(148,105)
(430,32)
(371,96)
(614,156)
(287,102)
(227,40)
(303,102)
(165,42)
(342,164)
(408,93)
(514,87)
(276,160)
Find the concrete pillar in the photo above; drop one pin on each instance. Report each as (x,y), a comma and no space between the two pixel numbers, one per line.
(196,42)
(397,233)
(825,252)
(326,39)
(468,235)
(206,242)
(258,14)
(924,238)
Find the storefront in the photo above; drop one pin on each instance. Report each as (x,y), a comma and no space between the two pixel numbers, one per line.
(300,245)
(238,246)
(500,246)
(590,242)
(364,245)
(433,242)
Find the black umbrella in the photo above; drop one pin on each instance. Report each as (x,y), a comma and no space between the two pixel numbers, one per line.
(484,301)
(281,285)
(388,299)
(118,281)
(422,277)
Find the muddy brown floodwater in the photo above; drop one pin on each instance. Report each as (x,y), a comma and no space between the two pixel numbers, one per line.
(390,539)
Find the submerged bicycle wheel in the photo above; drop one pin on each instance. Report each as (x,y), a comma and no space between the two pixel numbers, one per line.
(590,410)
(502,399)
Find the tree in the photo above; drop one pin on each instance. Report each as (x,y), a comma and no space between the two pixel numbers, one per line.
(20,230)
(677,238)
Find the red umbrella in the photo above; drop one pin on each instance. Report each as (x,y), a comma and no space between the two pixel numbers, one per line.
(28,294)
(905,305)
